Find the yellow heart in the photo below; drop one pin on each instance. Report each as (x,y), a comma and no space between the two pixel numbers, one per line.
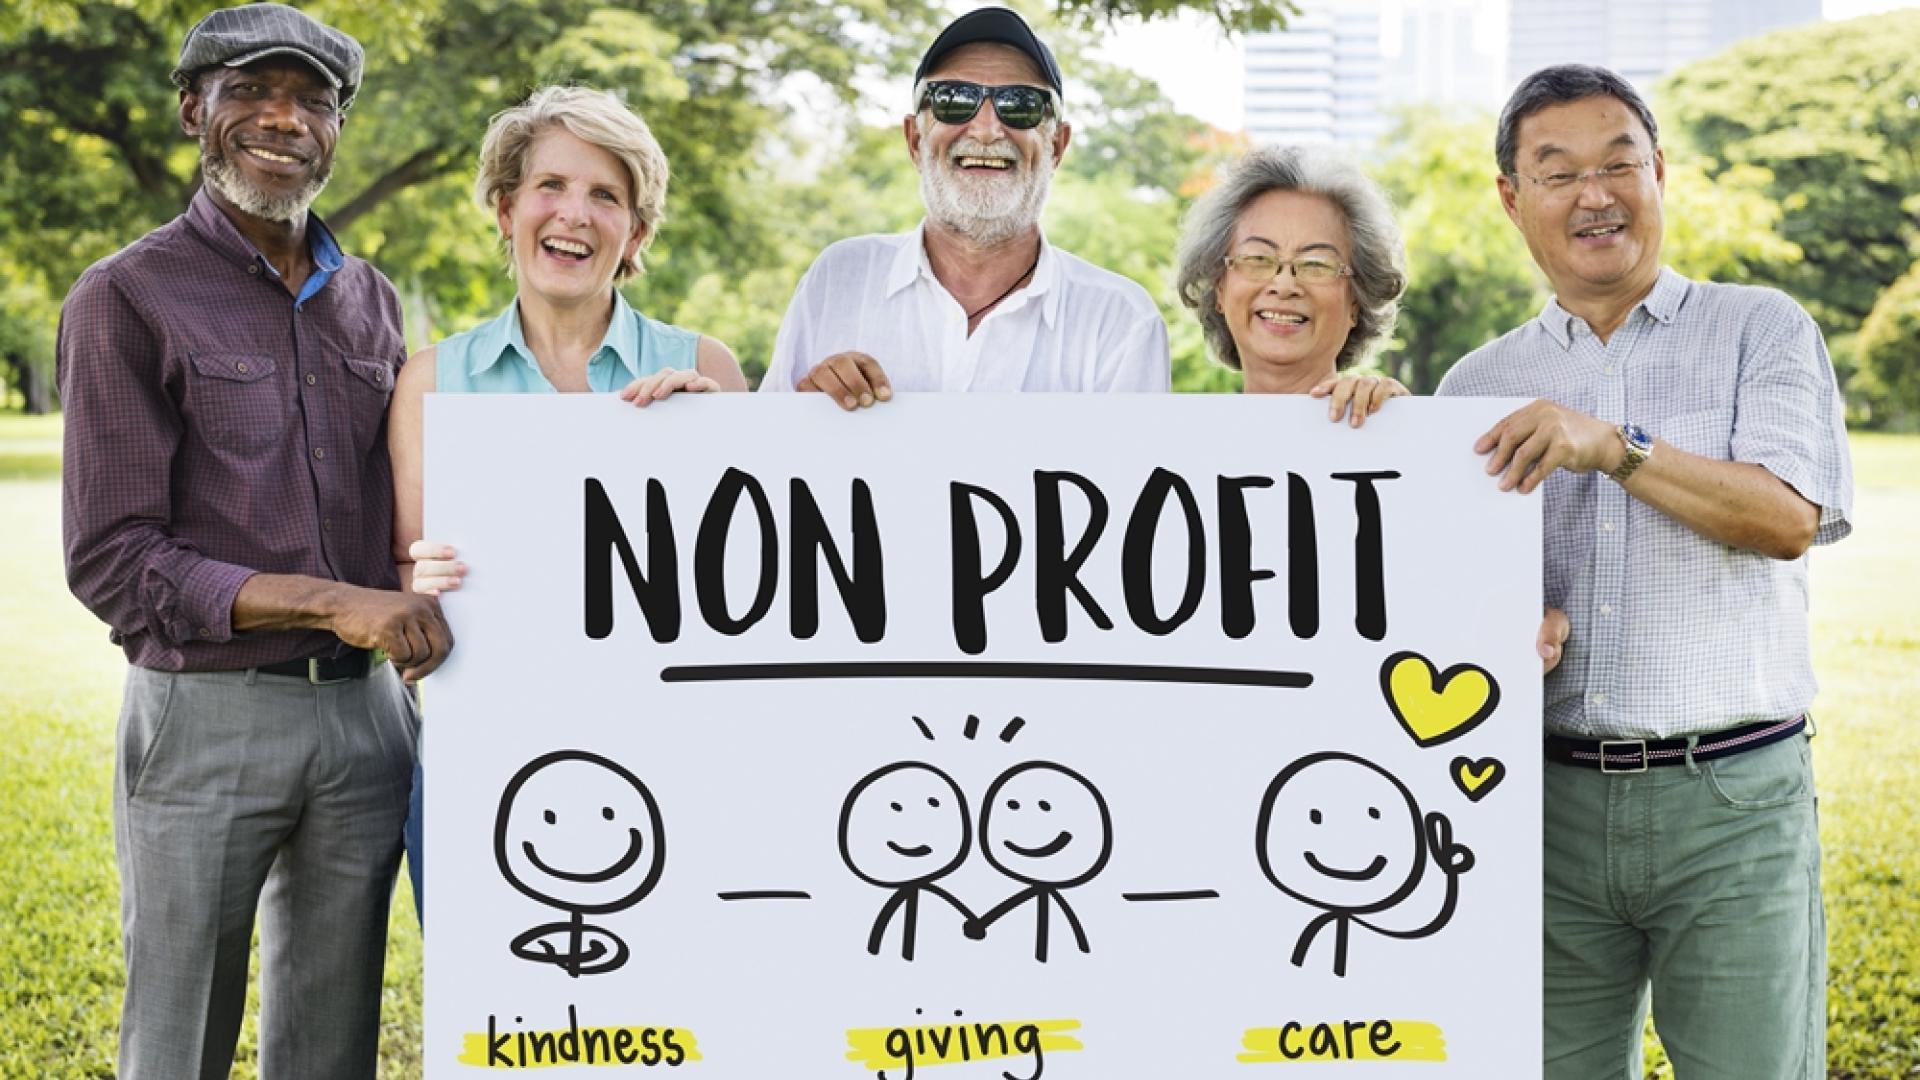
(1476,778)
(1437,706)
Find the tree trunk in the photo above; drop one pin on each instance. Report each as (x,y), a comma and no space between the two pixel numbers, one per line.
(35,386)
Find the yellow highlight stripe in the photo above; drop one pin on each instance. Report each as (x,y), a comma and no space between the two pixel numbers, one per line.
(951,1044)
(1410,1040)
(582,1046)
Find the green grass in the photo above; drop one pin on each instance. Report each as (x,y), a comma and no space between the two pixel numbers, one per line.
(59,693)
(60,973)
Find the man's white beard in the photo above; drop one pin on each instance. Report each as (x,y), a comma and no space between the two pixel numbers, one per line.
(226,178)
(987,210)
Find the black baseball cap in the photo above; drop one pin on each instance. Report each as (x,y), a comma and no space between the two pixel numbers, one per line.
(237,36)
(999,26)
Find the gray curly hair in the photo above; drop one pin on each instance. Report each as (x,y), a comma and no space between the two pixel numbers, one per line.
(1378,256)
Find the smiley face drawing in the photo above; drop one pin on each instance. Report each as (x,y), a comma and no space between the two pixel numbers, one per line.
(903,827)
(1047,827)
(1342,834)
(581,833)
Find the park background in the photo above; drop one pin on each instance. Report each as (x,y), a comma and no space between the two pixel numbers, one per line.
(1793,161)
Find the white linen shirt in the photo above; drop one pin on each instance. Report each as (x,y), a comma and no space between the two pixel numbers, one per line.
(1675,634)
(1075,327)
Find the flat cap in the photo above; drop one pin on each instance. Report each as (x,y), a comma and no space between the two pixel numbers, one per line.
(238,36)
(995,25)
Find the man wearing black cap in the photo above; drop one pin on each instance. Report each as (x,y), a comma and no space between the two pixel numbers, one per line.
(227,504)
(975,298)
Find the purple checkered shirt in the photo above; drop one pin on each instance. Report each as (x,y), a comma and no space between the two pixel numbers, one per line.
(216,429)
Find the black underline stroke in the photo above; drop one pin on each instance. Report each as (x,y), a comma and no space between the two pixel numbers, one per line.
(1153,897)
(987,669)
(767,894)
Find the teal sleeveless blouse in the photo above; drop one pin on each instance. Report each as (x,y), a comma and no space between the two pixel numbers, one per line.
(493,358)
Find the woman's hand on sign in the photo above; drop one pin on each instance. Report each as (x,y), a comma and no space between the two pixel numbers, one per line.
(664,384)
(435,569)
(1356,397)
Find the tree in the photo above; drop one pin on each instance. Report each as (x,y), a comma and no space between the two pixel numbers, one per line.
(1829,112)
(1469,276)
(1889,351)
(94,157)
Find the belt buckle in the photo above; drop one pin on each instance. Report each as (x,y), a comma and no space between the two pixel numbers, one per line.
(313,673)
(1639,746)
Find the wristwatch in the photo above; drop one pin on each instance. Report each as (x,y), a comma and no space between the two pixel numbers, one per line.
(1639,446)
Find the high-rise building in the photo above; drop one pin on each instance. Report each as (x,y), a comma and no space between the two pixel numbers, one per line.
(1443,52)
(1342,66)
(1320,80)
(1640,39)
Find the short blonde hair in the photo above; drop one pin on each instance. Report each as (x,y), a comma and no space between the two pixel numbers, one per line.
(593,116)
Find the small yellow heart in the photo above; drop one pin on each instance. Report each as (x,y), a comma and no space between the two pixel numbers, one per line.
(1476,778)
(1436,706)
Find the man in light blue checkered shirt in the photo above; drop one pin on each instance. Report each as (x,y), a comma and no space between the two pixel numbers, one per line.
(1688,441)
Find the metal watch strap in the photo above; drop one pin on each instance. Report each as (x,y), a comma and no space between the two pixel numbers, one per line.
(1639,447)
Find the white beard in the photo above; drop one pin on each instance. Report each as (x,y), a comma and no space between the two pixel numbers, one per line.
(226,178)
(985,209)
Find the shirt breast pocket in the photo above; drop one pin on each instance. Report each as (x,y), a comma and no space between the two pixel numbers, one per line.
(369,389)
(234,402)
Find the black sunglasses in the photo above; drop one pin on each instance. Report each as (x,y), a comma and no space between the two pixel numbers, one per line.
(1019,107)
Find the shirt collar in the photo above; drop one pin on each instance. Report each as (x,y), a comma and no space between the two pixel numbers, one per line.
(504,336)
(910,263)
(218,230)
(1662,303)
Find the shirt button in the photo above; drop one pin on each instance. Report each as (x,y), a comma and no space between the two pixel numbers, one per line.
(319,453)
(312,378)
(205,633)
(1606,526)
(1606,609)
(1597,699)
(253,268)
(1608,370)
(241,368)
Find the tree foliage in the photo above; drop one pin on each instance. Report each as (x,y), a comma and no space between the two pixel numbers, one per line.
(1469,276)
(94,156)
(1889,351)
(1831,113)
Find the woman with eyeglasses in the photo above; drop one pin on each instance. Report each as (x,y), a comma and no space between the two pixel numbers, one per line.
(577,184)
(1294,265)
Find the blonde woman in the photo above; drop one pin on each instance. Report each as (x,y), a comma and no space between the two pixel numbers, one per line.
(578,186)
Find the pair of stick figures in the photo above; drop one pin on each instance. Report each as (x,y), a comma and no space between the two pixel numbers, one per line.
(907,825)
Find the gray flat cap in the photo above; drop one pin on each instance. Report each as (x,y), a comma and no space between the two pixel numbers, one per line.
(238,36)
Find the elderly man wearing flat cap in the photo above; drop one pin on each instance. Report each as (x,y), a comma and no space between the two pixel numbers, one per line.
(226,501)
(975,298)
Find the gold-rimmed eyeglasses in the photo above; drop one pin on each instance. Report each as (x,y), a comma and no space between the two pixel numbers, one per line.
(1307,269)
(1615,176)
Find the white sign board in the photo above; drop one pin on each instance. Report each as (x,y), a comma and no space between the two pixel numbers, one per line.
(1099,737)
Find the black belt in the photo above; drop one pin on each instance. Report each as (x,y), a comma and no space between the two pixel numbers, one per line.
(1636,755)
(322,670)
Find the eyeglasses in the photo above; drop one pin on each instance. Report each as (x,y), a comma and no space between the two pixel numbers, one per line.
(1307,269)
(1019,107)
(1615,176)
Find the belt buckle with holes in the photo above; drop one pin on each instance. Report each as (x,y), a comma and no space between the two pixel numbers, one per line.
(1638,746)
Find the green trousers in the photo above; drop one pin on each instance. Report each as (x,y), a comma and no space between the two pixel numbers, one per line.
(1697,884)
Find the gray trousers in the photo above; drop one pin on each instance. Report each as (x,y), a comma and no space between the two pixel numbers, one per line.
(235,791)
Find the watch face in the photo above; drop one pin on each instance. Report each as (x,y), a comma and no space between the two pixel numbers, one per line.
(1637,438)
